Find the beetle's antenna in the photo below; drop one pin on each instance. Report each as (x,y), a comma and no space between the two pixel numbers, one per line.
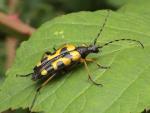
(106,18)
(24,75)
(110,42)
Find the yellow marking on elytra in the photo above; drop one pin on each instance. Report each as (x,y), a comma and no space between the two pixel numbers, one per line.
(49,57)
(44,72)
(70,47)
(54,64)
(38,64)
(66,61)
(75,55)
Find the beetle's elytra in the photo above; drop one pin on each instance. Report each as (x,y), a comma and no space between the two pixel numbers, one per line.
(54,63)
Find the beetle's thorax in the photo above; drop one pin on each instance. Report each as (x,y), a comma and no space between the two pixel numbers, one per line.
(84,51)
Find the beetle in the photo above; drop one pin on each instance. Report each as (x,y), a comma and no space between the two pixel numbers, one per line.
(53,63)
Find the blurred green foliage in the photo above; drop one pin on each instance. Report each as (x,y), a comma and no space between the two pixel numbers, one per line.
(117,3)
(3,6)
(36,12)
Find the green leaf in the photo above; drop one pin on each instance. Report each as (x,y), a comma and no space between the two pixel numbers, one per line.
(126,84)
(136,6)
(35,12)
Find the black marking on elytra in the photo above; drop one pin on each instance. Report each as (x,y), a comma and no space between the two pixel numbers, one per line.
(69,56)
(44,61)
(63,50)
(60,65)
(49,69)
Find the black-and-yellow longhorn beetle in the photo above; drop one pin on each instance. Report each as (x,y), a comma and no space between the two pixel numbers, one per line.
(52,64)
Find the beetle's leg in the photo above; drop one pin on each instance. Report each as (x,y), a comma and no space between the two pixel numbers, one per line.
(39,88)
(54,49)
(88,72)
(24,75)
(99,65)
